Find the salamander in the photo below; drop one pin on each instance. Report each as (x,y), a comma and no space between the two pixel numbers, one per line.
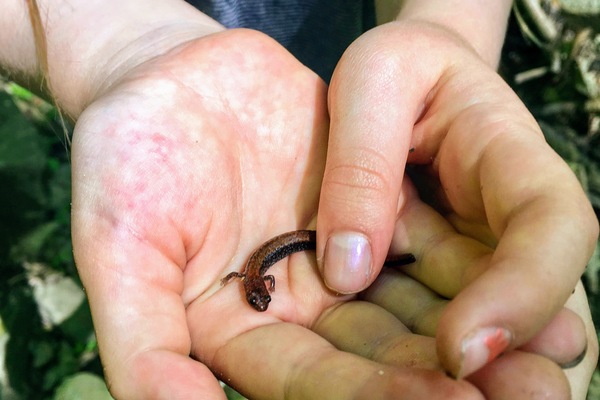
(275,249)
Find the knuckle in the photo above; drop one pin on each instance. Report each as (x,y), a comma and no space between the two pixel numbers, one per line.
(367,179)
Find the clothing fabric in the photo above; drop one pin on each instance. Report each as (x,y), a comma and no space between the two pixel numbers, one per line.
(315,31)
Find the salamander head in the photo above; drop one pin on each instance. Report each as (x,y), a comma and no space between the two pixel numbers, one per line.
(259,298)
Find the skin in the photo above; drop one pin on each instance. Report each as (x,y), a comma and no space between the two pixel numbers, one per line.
(183,163)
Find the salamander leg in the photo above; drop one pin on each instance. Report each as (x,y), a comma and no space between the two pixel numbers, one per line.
(271,280)
(230,276)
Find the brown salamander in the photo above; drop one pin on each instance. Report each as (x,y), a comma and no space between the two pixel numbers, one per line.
(275,249)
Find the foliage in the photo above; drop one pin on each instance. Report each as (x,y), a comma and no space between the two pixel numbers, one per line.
(34,211)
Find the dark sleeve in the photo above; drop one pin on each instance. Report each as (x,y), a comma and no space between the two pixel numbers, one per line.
(316,31)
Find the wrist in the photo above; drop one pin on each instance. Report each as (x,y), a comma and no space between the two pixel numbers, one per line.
(91,44)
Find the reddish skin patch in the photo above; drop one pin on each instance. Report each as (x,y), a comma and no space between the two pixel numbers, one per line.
(496,344)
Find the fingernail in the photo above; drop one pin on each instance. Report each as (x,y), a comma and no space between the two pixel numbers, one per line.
(576,361)
(481,347)
(347,262)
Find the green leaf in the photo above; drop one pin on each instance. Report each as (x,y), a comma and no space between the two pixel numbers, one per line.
(83,386)
(42,353)
(22,162)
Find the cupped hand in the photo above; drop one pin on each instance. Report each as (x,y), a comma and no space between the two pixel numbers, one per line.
(180,169)
(513,231)
(563,341)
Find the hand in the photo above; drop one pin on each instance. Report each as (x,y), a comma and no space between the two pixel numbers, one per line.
(419,309)
(563,340)
(515,230)
(180,170)
(407,307)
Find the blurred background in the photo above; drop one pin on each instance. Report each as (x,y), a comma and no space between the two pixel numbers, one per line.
(47,344)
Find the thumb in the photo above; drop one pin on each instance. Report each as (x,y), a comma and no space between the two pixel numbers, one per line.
(375,97)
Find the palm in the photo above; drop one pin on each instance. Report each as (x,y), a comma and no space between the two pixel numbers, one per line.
(191,162)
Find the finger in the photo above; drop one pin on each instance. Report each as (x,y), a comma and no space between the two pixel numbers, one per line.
(447,260)
(563,340)
(368,330)
(437,246)
(579,375)
(419,308)
(520,375)
(287,361)
(412,303)
(372,111)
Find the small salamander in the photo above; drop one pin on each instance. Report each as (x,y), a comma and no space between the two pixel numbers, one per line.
(275,249)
